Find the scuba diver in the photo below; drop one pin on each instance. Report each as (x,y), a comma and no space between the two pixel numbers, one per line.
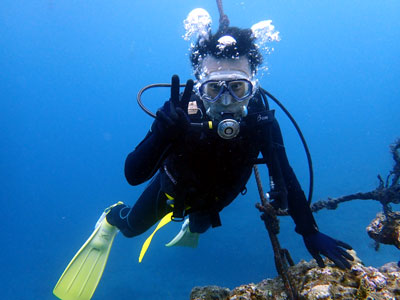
(198,156)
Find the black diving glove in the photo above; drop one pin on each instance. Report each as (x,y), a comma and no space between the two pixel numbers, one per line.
(171,120)
(319,243)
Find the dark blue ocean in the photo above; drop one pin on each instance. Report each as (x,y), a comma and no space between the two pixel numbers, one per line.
(69,75)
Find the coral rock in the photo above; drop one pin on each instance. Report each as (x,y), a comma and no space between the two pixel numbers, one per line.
(209,293)
(312,283)
(386,230)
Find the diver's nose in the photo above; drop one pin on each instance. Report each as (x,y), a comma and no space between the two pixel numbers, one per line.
(226,99)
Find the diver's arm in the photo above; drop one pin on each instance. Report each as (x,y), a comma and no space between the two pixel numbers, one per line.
(170,124)
(316,242)
(298,206)
(144,161)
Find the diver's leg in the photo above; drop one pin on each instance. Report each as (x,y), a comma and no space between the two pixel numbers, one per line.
(199,222)
(149,208)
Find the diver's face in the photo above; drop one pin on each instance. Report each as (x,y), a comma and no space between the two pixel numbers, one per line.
(225,85)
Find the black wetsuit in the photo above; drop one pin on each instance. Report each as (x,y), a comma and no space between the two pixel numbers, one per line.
(206,173)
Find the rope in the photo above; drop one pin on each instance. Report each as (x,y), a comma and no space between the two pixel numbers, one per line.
(271,223)
(223,18)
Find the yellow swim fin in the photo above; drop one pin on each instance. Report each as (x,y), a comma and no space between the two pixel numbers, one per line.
(185,237)
(82,275)
(164,221)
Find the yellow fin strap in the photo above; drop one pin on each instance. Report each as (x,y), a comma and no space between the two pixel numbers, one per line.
(164,221)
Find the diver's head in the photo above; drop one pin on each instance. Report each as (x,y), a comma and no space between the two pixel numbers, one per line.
(225,87)
(229,43)
(225,65)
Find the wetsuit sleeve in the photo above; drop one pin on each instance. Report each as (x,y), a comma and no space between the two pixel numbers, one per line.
(145,160)
(298,206)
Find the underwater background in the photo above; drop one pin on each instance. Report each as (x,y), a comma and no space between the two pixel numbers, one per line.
(69,75)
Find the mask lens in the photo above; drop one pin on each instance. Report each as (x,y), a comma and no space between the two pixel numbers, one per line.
(239,88)
(213,88)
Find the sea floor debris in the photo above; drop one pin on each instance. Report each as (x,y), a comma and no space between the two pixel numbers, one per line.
(385,228)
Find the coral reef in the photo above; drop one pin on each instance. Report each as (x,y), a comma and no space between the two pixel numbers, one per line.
(312,282)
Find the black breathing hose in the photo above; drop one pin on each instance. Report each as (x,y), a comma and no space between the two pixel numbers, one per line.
(139,96)
(303,140)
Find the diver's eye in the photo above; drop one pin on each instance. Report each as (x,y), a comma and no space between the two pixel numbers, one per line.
(238,87)
(212,88)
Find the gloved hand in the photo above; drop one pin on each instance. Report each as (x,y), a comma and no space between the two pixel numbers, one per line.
(319,243)
(171,120)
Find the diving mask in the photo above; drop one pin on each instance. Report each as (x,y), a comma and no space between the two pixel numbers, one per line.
(235,83)
(212,90)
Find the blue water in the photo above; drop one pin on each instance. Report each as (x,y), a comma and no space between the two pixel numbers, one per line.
(69,74)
